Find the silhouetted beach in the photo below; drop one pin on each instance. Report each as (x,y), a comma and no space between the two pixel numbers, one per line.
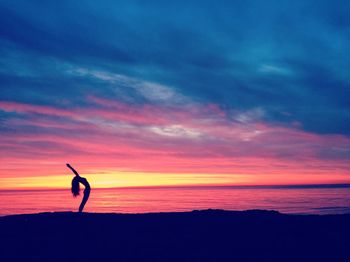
(208,235)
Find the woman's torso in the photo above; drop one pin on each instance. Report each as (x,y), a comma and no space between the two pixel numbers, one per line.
(84,181)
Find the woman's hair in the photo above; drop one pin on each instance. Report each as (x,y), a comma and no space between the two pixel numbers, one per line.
(75,186)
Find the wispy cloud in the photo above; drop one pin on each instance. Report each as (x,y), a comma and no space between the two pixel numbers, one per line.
(167,139)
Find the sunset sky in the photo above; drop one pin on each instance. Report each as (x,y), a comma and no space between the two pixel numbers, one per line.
(143,93)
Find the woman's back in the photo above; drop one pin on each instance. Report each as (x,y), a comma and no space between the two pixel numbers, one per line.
(84,181)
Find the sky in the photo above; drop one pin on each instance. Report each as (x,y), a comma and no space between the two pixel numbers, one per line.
(142,93)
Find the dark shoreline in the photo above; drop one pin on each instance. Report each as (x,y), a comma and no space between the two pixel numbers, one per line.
(207,235)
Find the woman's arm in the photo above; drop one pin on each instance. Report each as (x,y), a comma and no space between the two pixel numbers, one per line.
(73,170)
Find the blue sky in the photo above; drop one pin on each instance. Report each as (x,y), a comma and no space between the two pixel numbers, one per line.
(289,58)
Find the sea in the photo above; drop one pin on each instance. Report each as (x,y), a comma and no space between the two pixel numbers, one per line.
(301,199)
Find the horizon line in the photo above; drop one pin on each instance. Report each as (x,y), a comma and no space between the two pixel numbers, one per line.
(262,186)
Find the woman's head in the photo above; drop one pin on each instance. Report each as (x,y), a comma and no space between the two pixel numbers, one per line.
(75,186)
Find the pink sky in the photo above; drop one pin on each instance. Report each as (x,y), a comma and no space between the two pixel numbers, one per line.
(192,144)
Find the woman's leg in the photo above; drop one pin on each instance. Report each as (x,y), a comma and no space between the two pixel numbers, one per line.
(85,199)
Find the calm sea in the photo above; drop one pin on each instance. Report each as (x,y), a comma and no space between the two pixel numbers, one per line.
(331,199)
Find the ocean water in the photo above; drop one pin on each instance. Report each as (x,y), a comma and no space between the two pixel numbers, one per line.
(331,199)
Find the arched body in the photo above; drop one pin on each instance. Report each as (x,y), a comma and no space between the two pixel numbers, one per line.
(76,188)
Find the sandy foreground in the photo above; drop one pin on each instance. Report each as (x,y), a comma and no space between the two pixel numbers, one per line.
(208,235)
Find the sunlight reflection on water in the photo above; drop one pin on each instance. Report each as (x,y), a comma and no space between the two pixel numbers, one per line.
(141,200)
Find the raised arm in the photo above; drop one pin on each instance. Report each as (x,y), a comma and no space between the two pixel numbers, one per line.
(73,170)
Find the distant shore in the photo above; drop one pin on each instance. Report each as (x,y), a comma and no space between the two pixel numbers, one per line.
(207,235)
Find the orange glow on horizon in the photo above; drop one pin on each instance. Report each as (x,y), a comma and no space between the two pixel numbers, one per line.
(138,179)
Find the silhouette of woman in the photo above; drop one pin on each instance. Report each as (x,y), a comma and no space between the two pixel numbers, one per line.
(76,188)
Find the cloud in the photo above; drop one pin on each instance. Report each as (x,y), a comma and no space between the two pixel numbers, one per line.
(152,92)
(288,63)
(174,140)
(273,69)
(175,131)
